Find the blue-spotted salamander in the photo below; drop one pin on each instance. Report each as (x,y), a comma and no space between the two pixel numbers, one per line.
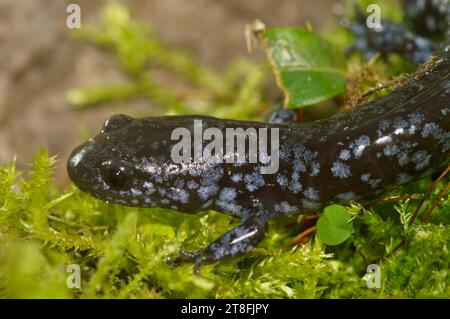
(351,156)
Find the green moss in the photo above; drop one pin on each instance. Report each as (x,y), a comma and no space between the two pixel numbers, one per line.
(140,52)
(124,252)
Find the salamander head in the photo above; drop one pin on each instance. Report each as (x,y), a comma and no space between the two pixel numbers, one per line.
(130,163)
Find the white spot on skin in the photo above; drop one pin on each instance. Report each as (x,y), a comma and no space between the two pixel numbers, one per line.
(390,150)
(403,158)
(384,140)
(299,166)
(284,152)
(285,208)
(434,130)
(383,126)
(311,194)
(445,111)
(421,159)
(345,155)
(340,170)
(372,182)
(365,177)
(149,188)
(207,204)
(399,131)
(304,160)
(400,123)
(415,118)
(282,180)
(162,191)
(253,181)
(315,169)
(360,144)
(236,177)
(180,195)
(230,207)
(205,192)
(183,196)
(228,194)
(295,187)
(431,129)
(179,183)
(192,185)
(136,192)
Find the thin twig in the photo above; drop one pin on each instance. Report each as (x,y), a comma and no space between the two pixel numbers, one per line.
(395,199)
(400,80)
(393,251)
(435,203)
(428,191)
(300,236)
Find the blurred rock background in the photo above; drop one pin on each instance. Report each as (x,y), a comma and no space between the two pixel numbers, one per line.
(40,60)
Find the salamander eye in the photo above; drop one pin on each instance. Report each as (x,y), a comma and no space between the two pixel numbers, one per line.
(115,122)
(117,175)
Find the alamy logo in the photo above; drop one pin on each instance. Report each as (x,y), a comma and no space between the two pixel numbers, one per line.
(373,21)
(235,146)
(74,279)
(373,276)
(74,18)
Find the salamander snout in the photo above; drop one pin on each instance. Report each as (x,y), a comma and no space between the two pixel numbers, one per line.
(77,167)
(94,168)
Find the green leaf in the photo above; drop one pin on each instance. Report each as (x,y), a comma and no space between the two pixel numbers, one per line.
(308,68)
(334,225)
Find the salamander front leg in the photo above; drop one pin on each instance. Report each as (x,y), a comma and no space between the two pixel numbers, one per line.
(237,241)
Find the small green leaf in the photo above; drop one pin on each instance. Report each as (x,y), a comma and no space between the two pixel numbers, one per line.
(308,68)
(334,225)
